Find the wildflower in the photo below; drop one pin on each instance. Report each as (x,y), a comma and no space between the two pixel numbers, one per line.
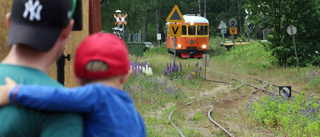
(145,64)
(197,64)
(180,67)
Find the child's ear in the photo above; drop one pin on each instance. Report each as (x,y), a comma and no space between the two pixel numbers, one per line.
(125,77)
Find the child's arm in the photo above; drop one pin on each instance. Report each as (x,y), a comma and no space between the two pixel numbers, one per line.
(80,99)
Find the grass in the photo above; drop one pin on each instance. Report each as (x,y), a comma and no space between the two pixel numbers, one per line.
(156,96)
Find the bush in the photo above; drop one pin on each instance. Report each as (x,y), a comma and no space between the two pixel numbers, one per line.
(215,48)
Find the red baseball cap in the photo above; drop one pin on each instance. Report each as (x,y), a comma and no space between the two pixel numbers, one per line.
(105,47)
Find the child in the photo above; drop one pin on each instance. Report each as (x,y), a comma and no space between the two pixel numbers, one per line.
(102,66)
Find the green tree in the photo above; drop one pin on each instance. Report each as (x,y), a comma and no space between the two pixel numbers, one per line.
(278,15)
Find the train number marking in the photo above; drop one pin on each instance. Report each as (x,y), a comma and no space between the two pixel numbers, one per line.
(233,31)
(175,30)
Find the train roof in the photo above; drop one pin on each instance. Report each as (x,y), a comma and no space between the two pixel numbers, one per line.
(197,19)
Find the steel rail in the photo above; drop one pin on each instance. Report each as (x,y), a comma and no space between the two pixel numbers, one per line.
(218,125)
(189,103)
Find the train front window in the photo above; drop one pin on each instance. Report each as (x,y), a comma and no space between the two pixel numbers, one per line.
(206,30)
(200,30)
(191,30)
(184,30)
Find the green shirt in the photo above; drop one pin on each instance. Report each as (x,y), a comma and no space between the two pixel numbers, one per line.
(24,122)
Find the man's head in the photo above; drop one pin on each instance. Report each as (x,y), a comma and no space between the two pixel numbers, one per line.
(39,23)
(102,56)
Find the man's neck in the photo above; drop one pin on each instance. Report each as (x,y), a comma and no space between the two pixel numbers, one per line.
(28,58)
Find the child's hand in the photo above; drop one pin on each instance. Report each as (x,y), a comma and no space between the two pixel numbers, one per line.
(5,91)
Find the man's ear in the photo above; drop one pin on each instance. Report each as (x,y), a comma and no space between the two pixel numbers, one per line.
(8,19)
(67,30)
(125,77)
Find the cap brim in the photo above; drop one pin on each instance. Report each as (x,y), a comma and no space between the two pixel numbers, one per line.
(42,39)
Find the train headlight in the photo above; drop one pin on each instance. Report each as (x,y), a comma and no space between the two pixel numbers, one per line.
(179,46)
(204,46)
(192,22)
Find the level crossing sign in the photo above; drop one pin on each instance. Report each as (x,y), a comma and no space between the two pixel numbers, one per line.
(120,19)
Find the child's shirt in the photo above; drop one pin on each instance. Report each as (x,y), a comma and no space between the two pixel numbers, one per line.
(107,110)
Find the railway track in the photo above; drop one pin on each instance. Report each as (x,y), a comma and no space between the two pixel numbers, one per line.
(211,119)
(263,88)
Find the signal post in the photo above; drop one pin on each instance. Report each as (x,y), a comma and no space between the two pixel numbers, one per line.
(175,30)
(233,30)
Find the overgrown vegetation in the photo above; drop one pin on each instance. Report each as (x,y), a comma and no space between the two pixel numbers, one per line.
(156,96)
(168,83)
(295,117)
(277,16)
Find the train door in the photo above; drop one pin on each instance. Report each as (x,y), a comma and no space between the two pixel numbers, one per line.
(192,41)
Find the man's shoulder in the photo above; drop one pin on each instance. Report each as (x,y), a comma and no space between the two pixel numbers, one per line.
(13,119)
(26,75)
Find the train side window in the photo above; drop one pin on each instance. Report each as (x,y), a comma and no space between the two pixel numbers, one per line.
(200,30)
(191,30)
(206,30)
(184,30)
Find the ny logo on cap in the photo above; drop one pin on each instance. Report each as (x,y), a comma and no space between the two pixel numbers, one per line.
(34,9)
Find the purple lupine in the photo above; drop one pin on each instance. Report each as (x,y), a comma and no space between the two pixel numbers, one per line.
(180,67)
(200,68)
(151,66)
(196,75)
(133,68)
(197,64)
(199,73)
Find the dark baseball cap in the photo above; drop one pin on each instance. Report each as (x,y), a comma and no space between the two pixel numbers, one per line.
(38,23)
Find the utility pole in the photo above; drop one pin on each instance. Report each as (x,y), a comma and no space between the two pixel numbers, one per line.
(205,8)
(239,17)
(199,7)
(157,20)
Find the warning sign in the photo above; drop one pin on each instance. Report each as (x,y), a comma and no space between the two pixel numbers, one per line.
(175,30)
(233,31)
(175,15)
